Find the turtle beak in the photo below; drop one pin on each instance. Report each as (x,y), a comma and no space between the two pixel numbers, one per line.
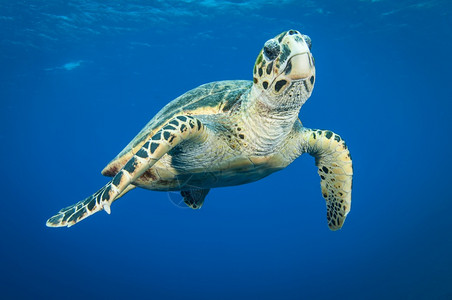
(300,66)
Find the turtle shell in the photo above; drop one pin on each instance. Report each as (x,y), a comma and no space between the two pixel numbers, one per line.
(211,98)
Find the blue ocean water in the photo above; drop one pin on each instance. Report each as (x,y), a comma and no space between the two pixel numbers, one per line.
(79,79)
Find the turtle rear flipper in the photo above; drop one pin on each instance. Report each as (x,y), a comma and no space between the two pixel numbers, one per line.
(336,171)
(194,198)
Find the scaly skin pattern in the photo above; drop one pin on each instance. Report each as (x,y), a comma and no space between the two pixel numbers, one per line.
(230,133)
(176,130)
(335,169)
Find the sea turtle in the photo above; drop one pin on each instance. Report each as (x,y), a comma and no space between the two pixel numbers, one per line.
(229,133)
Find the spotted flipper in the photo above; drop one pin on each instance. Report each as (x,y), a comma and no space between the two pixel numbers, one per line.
(195,198)
(72,214)
(336,171)
(175,131)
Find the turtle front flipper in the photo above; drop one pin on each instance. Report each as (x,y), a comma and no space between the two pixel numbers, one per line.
(335,168)
(75,213)
(174,132)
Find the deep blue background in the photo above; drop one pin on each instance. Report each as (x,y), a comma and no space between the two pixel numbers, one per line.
(383,83)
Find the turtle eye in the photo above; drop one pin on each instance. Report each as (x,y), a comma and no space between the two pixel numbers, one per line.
(271,49)
(307,39)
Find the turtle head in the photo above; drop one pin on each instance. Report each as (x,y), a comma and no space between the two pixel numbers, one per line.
(285,66)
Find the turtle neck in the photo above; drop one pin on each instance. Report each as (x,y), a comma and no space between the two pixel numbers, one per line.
(268,121)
